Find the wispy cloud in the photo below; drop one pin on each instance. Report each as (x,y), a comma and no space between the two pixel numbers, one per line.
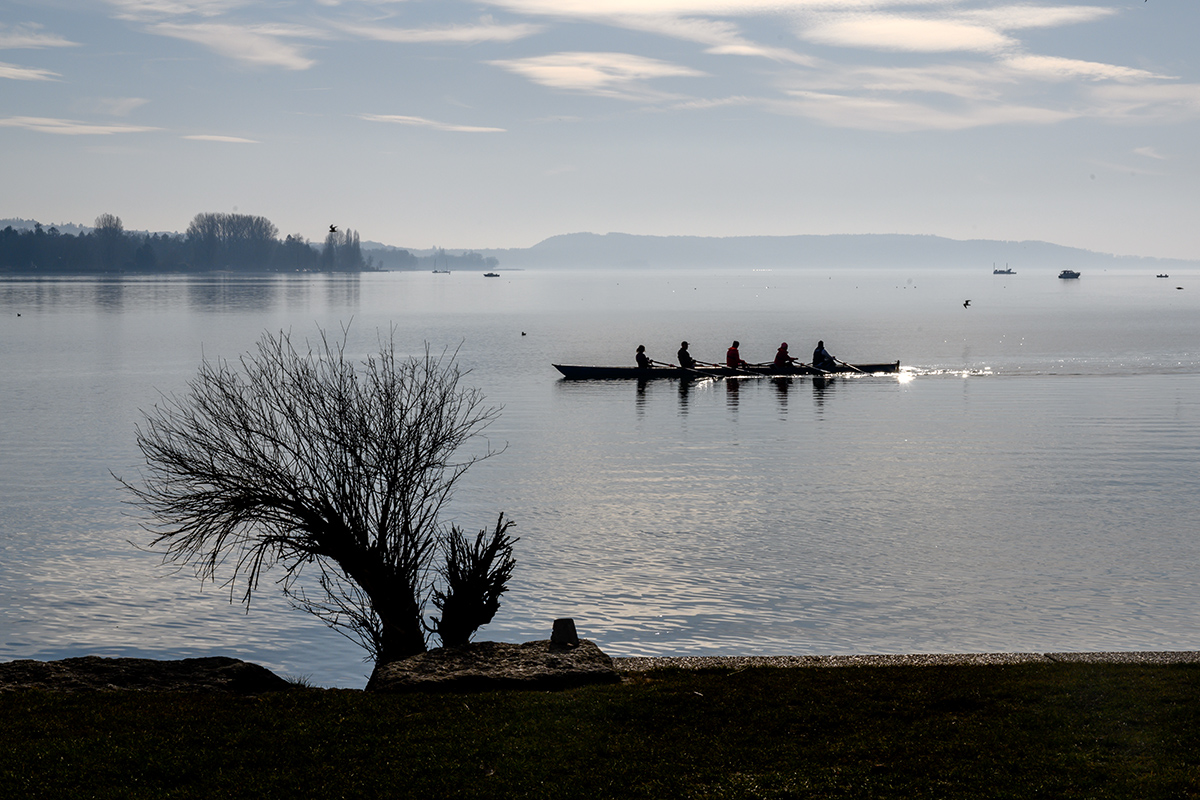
(13,72)
(69,127)
(157,9)
(900,116)
(908,34)
(712,8)
(966,81)
(261,45)
(421,122)
(486,30)
(691,21)
(1029,90)
(1149,152)
(1026,15)
(1055,68)
(211,137)
(1146,103)
(29,36)
(116,106)
(620,75)
(719,102)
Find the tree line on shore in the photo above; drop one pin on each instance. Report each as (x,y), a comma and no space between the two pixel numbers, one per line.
(212,242)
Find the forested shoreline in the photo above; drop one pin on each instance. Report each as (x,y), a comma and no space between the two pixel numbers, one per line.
(212,242)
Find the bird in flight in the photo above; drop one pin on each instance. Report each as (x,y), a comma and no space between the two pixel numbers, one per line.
(966,303)
(333,228)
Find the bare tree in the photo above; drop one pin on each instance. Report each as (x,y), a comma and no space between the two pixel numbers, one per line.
(110,235)
(313,463)
(232,240)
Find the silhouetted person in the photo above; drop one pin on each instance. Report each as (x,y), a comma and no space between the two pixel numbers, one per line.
(782,359)
(822,359)
(733,359)
(684,357)
(643,360)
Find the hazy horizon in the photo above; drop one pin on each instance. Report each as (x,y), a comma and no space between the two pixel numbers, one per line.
(652,248)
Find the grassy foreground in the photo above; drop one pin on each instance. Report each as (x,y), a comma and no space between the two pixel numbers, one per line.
(1021,731)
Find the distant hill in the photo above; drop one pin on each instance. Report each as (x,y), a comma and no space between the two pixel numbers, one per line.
(28,224)
(835,250)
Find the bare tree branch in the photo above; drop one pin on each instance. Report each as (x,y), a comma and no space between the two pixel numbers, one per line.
(295,460)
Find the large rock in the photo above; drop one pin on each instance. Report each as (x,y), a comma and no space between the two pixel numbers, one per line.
(214,674)
(486,665)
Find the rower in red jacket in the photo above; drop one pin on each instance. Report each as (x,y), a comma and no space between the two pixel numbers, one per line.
(733,359)
(782,360)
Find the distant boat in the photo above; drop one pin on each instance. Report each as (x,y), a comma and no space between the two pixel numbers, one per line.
(1005,271)
(1163,276)
(491,275)
(441,272)
(1068,273)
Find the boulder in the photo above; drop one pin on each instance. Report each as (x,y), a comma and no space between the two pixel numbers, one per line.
(491,665)
(89,673)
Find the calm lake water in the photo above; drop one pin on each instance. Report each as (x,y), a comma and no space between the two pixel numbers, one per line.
(1030,482)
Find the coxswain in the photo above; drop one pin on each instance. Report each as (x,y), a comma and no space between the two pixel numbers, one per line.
(733,359)
(684,357)
(782,359)
(821,358)
(643,360)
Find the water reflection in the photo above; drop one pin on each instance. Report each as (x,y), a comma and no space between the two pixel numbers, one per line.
(732,388)
(47,294)
(685,390)
(782,387)
(110,295)
(232,294)
(343,291)
(821,386)
(209,292)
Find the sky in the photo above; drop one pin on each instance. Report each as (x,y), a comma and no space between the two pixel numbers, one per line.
(499,123)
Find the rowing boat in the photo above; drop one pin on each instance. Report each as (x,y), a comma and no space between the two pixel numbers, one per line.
(590,373)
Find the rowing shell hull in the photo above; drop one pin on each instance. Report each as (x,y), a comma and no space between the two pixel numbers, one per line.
(589,373)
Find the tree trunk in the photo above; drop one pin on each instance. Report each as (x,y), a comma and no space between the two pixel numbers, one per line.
(403,635)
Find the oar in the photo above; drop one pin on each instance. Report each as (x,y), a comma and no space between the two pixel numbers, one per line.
(851,366)
(736,370)
(813,366)
(686,369)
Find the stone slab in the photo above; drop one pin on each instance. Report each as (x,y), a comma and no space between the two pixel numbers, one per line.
(491,665)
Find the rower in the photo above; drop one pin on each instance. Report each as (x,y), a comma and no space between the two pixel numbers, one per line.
(782,360)
(821,358)
(684,357)
(733,359)
(643,360)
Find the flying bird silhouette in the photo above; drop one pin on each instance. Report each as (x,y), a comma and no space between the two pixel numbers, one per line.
(966,303)
(333,228)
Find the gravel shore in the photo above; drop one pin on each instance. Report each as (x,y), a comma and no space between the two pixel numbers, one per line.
(642,664)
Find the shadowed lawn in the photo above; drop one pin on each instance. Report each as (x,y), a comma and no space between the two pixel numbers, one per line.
(1020,731)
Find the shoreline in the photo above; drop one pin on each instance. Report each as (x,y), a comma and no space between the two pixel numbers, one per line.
(645,663)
